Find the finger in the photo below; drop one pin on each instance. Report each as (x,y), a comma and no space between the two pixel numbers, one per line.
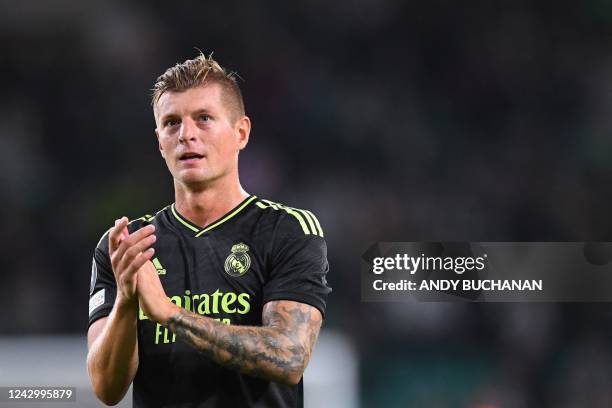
(115,234)
(139,260)
(133,251)
(132,239)
(125,233)
(137,235)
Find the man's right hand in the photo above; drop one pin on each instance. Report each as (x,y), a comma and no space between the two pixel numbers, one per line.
(128,252)
(112,359)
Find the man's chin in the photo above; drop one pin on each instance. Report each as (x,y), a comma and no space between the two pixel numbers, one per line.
(195,181)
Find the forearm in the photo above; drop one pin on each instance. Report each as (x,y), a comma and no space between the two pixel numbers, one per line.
(279,350)
(265,352)
(112,359)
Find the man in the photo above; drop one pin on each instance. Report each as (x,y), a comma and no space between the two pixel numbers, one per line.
(216,300)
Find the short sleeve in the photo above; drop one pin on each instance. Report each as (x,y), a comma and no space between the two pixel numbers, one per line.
(299,272)
(103,287)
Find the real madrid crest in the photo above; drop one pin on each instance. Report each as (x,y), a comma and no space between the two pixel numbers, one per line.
(238,262)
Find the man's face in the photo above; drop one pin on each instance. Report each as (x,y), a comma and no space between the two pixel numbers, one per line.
(199,136)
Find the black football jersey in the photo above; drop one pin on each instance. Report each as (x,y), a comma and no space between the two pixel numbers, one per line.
(258,252)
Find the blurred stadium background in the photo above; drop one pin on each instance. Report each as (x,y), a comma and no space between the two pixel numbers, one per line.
(391,120)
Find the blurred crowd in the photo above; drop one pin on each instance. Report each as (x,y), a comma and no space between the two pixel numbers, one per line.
(390,120)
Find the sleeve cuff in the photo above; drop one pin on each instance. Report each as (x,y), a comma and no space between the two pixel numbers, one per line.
(297,297)
(98,314)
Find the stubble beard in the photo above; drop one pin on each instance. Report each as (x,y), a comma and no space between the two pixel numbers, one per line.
(203,181)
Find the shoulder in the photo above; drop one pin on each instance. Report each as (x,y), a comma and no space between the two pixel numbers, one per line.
(288,221)
(133,225)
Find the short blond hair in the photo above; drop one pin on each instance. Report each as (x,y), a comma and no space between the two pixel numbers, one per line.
(200,71)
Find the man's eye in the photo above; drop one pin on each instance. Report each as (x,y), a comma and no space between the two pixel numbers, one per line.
(204,118)
(171,122)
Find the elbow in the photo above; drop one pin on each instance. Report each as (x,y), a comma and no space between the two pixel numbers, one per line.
(103,390)
(293,379)
(106,396)
(294,376)
(109,401)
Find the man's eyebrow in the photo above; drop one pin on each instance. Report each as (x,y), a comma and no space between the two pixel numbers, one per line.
(202,110)
(168,116)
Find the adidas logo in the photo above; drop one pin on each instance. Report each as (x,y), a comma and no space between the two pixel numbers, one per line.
(158,266)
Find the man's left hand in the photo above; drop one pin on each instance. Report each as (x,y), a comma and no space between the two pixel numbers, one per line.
(152,297)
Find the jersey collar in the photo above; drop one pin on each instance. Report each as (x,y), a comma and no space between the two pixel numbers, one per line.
(198,231)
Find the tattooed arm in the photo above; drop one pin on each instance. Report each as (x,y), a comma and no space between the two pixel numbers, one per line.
(278,351)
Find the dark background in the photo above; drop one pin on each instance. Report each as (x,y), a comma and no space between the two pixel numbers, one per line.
(390,120)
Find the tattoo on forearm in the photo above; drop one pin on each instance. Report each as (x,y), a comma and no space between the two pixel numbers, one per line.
(279,350)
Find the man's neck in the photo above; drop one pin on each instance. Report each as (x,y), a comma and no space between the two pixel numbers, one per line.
(204,206)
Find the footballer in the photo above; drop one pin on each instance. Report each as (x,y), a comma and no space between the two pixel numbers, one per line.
(217,299)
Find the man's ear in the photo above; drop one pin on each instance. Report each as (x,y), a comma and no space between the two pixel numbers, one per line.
(161,149)
(243,130)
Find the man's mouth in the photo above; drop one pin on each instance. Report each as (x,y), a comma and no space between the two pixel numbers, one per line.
(190,157)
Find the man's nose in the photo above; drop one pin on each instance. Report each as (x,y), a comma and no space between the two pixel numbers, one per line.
(187,131)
